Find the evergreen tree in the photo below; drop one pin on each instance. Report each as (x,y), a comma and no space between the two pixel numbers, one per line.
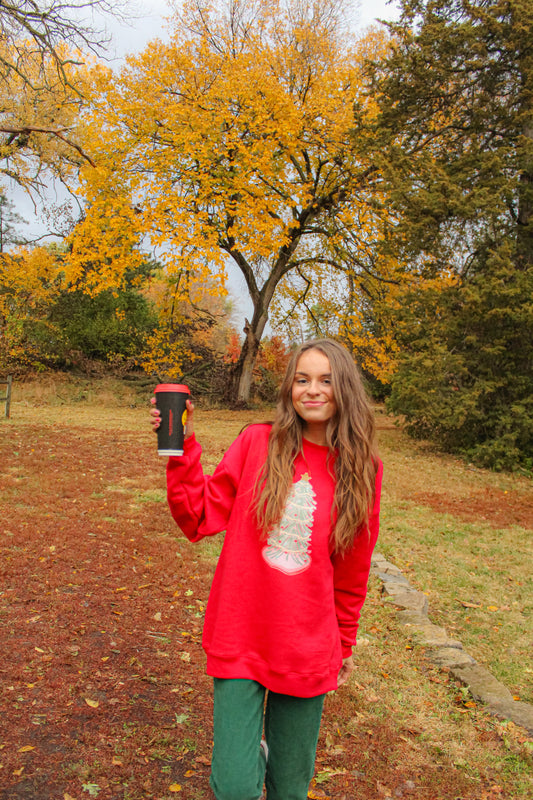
(113,324)
(454,137)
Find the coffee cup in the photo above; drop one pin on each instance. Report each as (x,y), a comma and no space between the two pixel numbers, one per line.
(170,400)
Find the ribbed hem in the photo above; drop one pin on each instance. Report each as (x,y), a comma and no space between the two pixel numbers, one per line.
(294,684)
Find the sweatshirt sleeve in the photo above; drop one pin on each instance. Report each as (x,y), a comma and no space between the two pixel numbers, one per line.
(351,571)
(201,504)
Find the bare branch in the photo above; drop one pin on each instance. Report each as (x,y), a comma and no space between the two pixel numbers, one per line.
(60,134)
(38,28)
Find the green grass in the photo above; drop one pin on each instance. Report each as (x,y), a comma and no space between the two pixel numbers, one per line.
(478,578)
(453,561)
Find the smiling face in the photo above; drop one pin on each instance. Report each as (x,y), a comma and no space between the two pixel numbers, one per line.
(312,394)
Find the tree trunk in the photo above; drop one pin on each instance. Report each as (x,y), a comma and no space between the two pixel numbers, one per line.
(525,210)
(241,383)
(525,190)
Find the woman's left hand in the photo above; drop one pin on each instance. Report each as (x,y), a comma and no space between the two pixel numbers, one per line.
(346,670)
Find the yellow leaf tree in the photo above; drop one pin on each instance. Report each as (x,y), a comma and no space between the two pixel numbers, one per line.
(29,281)
(349,290)
(37,121)
(233,142)
(41,47)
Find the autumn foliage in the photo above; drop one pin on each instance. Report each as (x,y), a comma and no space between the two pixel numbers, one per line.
(345,180)
(229,144)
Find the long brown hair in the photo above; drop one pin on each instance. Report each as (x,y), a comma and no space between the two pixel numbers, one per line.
(350,436)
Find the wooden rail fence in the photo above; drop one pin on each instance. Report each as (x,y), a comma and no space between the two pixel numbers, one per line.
(7,399)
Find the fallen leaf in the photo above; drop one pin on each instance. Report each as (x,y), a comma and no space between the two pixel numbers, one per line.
(492,608)
(190,773)
(18,772)
(174,787)
(68,796)
(91,703)
(26,748)
(92,788)
(116,762)
(185,656)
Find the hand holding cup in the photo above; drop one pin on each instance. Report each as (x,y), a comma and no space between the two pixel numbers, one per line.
(169,415)
(155,417)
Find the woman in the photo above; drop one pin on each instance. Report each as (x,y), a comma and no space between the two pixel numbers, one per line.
(299,501)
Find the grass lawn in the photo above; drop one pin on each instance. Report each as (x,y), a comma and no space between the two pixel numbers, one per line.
(464,536)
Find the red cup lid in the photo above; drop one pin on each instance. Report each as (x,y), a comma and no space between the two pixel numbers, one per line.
(172,387)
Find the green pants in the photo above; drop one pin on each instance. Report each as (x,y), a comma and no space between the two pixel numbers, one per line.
(291,724)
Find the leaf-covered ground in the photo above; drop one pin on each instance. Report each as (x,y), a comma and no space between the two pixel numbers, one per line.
(102,676)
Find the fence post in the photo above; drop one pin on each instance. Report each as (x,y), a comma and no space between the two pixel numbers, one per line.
(7,398)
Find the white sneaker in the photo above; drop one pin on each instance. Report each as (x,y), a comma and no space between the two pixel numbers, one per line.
(264,748)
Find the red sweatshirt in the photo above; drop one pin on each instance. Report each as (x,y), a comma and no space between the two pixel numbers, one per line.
(282,611)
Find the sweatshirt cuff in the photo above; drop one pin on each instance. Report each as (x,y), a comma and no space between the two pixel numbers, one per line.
(189,441)
(347,650)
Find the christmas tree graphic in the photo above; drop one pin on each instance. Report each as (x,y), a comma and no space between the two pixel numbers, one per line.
(288,546)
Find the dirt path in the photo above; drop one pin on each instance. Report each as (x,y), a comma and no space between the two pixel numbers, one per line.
(101,668)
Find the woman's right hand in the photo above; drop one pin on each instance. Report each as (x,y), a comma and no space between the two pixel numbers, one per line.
(155,416)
